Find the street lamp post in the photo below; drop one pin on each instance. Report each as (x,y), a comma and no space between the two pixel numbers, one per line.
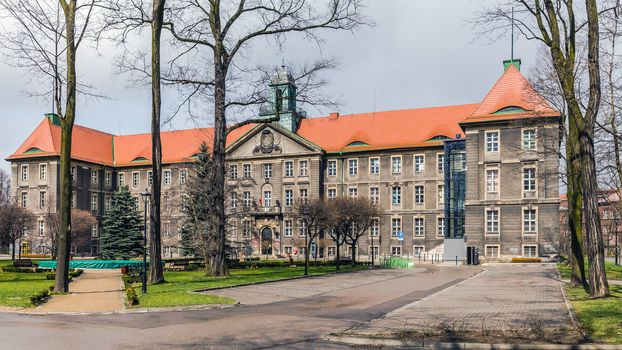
(146,196)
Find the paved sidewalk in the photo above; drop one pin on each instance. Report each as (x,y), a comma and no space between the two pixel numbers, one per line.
(93,291)
(499,298)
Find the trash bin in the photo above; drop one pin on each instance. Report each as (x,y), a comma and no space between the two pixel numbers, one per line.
(476,256)
(470,255)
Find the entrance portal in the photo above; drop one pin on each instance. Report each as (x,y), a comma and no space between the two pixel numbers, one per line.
(266,241)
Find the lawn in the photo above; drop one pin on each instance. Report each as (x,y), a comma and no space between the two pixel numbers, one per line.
(177,290)
(16,288)
(613,272)
(602,318)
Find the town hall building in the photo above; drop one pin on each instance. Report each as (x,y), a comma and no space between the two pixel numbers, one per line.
(485,174)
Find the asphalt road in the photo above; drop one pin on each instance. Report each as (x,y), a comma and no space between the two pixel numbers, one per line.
(294,323)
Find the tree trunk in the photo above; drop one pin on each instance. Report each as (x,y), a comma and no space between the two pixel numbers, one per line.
(595,250)
(337,252)
(61,283)
(575,205)
(219,264)
(156,274)
(13,251)
(353,247)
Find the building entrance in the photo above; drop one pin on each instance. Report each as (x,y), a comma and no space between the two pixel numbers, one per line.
(266,241)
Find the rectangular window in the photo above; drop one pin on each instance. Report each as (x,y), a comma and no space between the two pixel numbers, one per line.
(74,199)
(419,227)
(289,228)
(289,198)
(331,252)
(529,140)
(267,171)
(492,141)
(167,177)
(374,227)
(135,179)
(396,194)
(107,203)
(41,228)
(24,199)
(234,200)
(492,251)
(302,228)
(94,202)
(289,169)
(332,192)
(530,222)
(246,198)
(121,179)
(287,250)
(492,221)
(233,171)
(94,177)
(304,168)
(440,227)
(353,192)
(374,250)
(25,174)
(332,168)
(42,199)
(267,198)
(246,169)
(419,164)
(43,171)
(74,170)
(353,167)
(419,195)
(396,165)
(530,251)
(246,229)
(183,176)
(374,166)
(440,195)
(374,195)
(492,180)
(396,226)
(529,179)
(304,194)
(440,163)
(108,179)
(396,251)
(150,178)
(95,230)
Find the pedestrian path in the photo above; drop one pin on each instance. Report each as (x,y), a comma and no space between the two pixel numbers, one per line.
(93,291)
(496,299)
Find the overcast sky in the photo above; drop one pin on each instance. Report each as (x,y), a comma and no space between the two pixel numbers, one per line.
(420,53)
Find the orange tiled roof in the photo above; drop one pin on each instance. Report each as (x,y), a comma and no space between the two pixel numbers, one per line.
(350,133)
(98,147)
(511,90)
(392,129)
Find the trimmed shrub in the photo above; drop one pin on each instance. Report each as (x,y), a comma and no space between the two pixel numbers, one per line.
(130,295)
(35,256)
(234,264)
(128,280)
(526,260)
(76,273)
(39,297)
(22,269)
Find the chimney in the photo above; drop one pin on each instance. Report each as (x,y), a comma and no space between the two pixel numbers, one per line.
(333,116)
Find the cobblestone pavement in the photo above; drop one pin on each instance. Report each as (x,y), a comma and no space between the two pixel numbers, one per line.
(499,298)
(93,291)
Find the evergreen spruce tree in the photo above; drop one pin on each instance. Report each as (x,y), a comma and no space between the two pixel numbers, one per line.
(187,241)
(200,238)
(122,237)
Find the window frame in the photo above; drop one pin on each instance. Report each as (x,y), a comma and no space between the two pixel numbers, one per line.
(396,248)
(289,200)
(529,246)
(416,234)
(267,171)
(353,172)
(422,169)
(535,139)
(94,176)
(288,168)
(167,180)
(247,174)
(440,233)
(496,222)
(42,199)
(108,178)
(43,171)
(416,195)
(496,142)
(374,167)
(374,198)
(400,165)
(25,172)
(496,182)
(233,171)
(440,164)
(331,165)
(397,196)
(396,219)
(486,255)
(536,224)
(303,171)
(533,180)
(135,179)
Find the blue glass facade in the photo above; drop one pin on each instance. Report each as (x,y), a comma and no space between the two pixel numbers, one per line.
(455,186)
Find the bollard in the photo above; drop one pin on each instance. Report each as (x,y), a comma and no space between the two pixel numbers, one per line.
(456,260)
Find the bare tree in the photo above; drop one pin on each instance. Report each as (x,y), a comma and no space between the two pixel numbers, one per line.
(313,214)
(342,217)
(214,36)
(556,25)
(5,188)
(363,212)
(14,222)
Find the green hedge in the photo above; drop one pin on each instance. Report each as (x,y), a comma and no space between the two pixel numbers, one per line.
(39,297)
(22,269)
(234,264)
(131,296)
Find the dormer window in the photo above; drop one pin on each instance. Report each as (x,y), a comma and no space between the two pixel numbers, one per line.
(357,143)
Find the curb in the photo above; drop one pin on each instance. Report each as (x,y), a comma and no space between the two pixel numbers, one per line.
(420,344)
